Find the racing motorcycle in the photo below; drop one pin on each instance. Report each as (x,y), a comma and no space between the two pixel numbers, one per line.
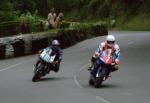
(45,64)
(103,67)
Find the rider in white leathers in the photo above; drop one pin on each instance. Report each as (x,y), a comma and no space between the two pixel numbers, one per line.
(108,44)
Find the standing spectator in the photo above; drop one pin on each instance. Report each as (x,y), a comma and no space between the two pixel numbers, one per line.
(58,20)
(51,18)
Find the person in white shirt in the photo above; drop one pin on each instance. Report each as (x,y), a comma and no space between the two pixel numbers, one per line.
(108,44)
(51,18)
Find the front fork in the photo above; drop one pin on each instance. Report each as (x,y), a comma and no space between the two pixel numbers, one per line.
(99,70)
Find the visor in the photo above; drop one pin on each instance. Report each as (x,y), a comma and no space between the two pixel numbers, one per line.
(110,42)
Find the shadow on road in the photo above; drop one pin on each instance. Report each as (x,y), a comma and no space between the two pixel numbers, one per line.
(45,79)
(103,86)
(109,86)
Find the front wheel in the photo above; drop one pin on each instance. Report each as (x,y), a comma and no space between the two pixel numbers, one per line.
(98,82)
(37,73)
(36,77)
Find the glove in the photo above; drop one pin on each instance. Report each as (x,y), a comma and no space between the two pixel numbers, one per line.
(39,52)
(94,58)
(117,61)
(60,58)
(55,62)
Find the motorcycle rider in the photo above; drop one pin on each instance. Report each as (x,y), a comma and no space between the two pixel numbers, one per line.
(108,44)
(55,46)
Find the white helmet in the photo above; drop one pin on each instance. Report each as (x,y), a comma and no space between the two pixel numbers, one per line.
(55,43)
(110,40)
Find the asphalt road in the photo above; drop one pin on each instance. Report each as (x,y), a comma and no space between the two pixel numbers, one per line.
(128,85)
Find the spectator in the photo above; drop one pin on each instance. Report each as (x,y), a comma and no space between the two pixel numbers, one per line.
(58,20)
(51,18)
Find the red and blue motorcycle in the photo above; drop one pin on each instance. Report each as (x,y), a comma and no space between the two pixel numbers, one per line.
(102,69)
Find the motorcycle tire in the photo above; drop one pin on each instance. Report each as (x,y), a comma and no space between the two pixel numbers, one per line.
(98,82)
(91,82)
(37,73)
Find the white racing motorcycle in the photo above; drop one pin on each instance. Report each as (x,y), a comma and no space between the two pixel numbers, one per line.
(45,64)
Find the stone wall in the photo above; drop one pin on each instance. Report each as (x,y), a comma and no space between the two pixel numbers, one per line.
(21,45)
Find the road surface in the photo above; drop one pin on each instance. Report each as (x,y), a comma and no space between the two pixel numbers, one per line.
(70,85)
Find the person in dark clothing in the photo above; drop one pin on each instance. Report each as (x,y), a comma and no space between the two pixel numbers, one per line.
(59,53)
(55,46)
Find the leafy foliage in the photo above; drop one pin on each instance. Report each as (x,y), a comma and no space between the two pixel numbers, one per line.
(32,19)
(74,10)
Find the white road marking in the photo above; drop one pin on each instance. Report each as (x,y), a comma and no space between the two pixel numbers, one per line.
(102,99)
(75,76)
(83,67)
(12,66)
(80,86)
(76,81)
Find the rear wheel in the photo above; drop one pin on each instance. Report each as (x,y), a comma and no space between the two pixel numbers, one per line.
(91,82)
